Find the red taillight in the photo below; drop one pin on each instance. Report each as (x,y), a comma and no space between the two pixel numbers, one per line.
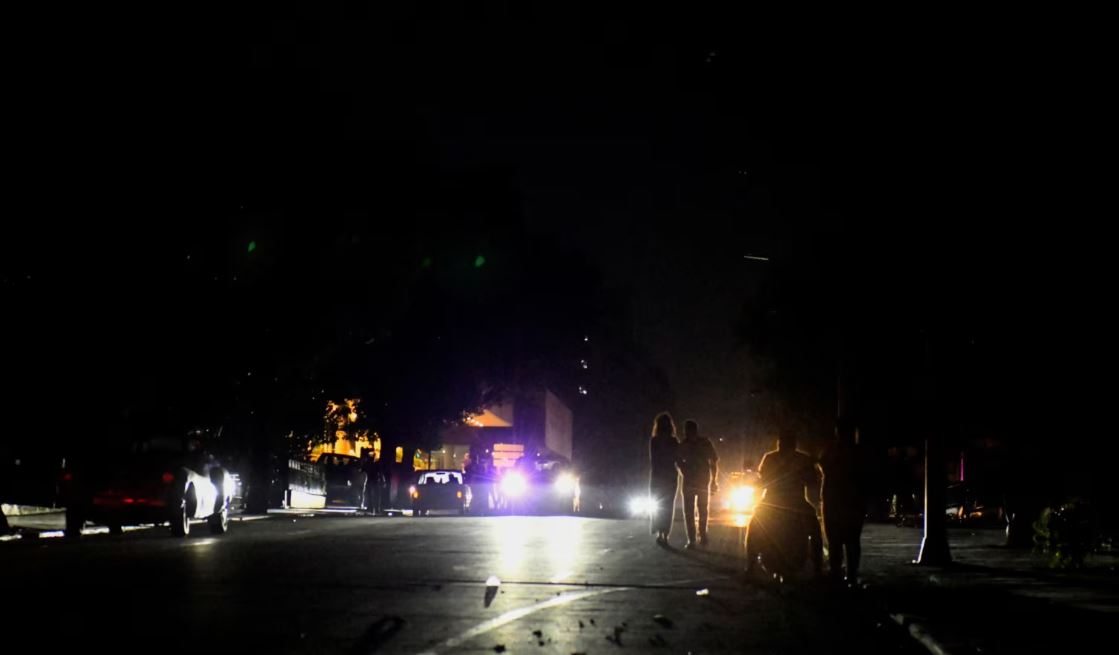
(128,501)
(168,477)
(67,476)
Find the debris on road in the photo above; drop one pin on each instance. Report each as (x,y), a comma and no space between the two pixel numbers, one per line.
(662,620)
(616,638)
(658,641)
(492,585)
(500,648)
(703,592)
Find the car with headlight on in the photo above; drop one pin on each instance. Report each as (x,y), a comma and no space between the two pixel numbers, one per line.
(161,481)
(608,496)
(539,487)
(439,491)
(738,496)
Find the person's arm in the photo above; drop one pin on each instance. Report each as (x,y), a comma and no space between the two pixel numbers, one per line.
(713,463)
(815,480)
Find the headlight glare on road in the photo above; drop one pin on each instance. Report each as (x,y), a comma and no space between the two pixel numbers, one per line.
(642,506)
(513,484)
(565,484)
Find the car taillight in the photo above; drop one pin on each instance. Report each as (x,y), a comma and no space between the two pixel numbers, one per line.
(459,494)
(128,501)
(168,477)
(67,477)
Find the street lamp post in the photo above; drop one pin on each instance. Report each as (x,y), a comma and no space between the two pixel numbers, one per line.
(934,544)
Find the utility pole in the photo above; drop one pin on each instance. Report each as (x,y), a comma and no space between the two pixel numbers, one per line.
(934,544)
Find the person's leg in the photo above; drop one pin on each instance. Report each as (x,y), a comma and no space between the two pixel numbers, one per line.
(854,551)
(835,548)
(751,553)
(660,516)
(703,499)
(813,525)
(689,514)
(669,502)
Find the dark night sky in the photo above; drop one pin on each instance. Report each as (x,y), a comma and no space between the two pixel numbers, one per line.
(949,176)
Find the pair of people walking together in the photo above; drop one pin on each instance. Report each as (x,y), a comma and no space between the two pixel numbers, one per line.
(691,464)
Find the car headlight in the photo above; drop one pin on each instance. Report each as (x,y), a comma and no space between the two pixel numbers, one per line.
(513,484)
(565,484)
(642,506)
(742,498)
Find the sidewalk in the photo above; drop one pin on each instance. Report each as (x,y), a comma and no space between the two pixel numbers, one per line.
(991,599)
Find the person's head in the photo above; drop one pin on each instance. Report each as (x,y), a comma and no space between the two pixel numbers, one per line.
(846,431)
(691,429)
(663,426)
(786,441)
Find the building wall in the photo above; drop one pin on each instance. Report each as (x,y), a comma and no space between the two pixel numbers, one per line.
(557,425)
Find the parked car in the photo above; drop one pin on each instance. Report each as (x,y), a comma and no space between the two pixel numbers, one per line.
(159,481)
(968,505)
(438,490)
(345,481)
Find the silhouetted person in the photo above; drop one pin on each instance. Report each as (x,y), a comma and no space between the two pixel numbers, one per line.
(375,482)
(844,500)
(480,479)
(699,466)
(787,475)
(662,476)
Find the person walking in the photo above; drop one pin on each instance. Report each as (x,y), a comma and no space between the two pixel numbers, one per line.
(699,468)
(663,478)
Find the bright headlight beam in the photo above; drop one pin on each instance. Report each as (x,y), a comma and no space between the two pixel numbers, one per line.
(513,484)
(565,483)
(642,506)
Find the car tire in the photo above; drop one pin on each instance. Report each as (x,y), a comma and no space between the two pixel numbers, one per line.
(116,528)
(219,520)
(180,520)
(74,522)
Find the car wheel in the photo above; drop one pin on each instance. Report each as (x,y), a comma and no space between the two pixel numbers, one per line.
(219,521)
(116,528)
(74,522)
(180,520)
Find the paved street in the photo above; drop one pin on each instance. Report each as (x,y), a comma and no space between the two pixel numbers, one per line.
(326,584)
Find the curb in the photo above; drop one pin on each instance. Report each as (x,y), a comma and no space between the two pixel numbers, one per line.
(29,510)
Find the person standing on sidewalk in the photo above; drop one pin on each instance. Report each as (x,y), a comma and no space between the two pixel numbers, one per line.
(663,482)
(844,500)
(699,466)
(370,467)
